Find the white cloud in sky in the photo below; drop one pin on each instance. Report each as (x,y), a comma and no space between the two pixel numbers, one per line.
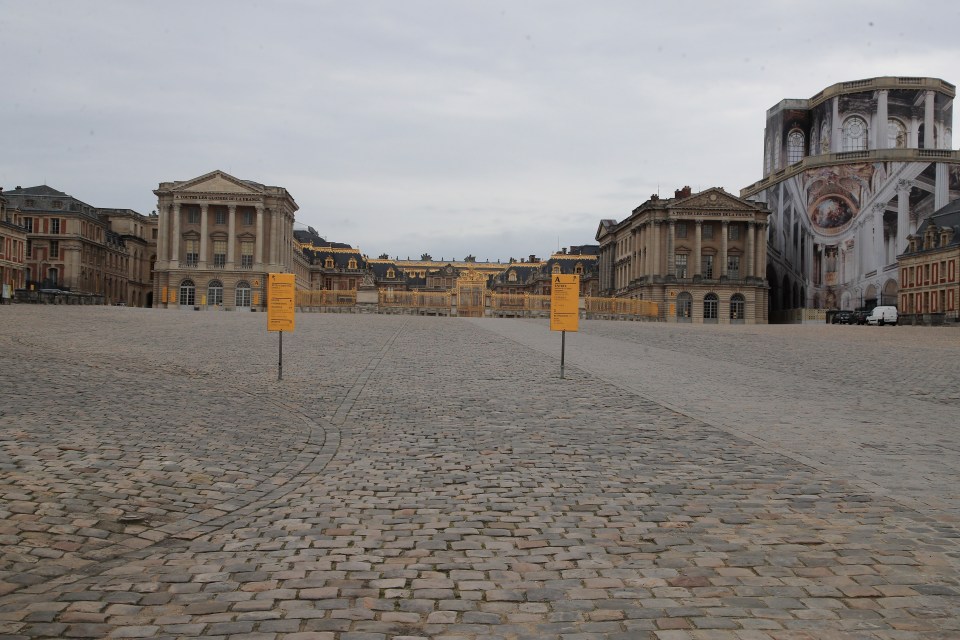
(447,127)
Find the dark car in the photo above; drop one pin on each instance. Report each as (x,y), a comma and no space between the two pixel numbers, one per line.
(860,316)
(843,317)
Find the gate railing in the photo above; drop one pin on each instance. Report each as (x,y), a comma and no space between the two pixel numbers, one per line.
(326,298)
(415,299)
(519,302)
(621,307)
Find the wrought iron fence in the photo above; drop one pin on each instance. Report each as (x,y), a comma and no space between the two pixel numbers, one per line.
(621,307)
(415,299)
(519,302)
(326,298)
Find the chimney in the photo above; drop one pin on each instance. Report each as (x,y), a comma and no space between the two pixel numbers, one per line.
(654,197)
(682,193)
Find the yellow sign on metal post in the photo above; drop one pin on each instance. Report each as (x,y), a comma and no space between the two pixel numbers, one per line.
(281,289)
(564,309)
(281,295)
(565,302)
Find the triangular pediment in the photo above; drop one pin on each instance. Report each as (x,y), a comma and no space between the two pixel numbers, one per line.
(218,182)
(714,198)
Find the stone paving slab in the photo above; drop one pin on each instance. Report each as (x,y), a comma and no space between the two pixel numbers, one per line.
(436,479)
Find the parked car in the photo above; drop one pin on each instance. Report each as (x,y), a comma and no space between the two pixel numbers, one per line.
(883,315)
(843,317)
(860,316)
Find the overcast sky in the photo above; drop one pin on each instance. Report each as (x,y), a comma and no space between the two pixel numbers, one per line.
(450,127)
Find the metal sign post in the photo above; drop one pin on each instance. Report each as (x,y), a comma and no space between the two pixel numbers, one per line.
(564,310)
(281,290)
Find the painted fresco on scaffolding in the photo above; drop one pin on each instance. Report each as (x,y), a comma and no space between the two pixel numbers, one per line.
(835,195)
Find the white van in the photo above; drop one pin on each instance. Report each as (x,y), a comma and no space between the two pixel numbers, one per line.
(883,315)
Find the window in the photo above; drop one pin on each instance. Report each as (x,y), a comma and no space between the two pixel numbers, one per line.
(512,276)
(154,234)
(680,264)
(352,265)
(681,229)
(733,267)
(219,253)
(733,232)
(248,217)
(54,250)
(707,266)
(193,216)
(796,145)
(28,224)
(328,263)
(188,294)
(736,307)
(708,231)
(578,269)
(191,251)
(58,204)
(556,268)
(684,307)
(710,304)
(854,134)
(391,274)
(896,134)
(220,217)
(246,254)
(55,225)
(215,293)
(243,294)
(52,277)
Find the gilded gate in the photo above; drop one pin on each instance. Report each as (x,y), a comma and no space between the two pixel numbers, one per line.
(471,290)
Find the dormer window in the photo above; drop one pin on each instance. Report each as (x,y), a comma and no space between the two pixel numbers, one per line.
(556,268)
(512,276)
(391,274)
(578,269)
(352,264)
(328,263)
(58,204)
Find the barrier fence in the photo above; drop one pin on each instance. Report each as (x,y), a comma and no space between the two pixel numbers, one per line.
(621,307)
(326,298)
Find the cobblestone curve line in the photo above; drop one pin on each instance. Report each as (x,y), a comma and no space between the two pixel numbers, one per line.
(312,456)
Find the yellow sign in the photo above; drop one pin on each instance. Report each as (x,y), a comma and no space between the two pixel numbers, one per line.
(281,288)
(565,302)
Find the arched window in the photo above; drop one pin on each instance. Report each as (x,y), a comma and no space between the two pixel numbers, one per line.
(824,138)
(896,134)
(710,304)
(556,268)
(776,153)
(578,269)
(855,134)
(328,263)
(512,276)
(684,307)
(796,146)
(391,274)
(243,294)
(215,293)
(736,307)
(188,293)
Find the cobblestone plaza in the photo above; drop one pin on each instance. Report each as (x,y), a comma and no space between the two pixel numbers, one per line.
(415,477)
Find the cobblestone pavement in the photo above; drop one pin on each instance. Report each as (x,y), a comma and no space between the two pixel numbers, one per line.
(435,478)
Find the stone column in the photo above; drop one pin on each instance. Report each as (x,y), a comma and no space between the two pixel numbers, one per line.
(656,249)
(258,246)
(836,139)
(878,252)
(649,241)
(697,249)
(941,186)
(175,240)
(671,247)
(881,128)
(724,231)
(162,234)
(761,257)
(903,213)
(274,226)
(204,236)
(231,234)
(751,231)
(928,123)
